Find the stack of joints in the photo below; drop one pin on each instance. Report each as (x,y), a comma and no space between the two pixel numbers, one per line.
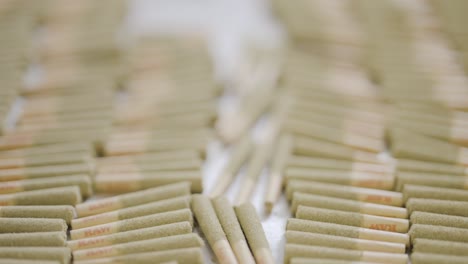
(340,188)
(164,123)
(153,222)
(332,117)
(363,75)
(97,119)
(46,161)
(427,122)
(152,160)
(72,100)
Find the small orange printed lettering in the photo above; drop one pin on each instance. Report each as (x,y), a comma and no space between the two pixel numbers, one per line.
(97,231)
(373,198)
(98,252)
(384,227)
(100,205)
(89,242)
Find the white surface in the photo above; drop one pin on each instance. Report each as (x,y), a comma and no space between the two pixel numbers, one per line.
(229,26)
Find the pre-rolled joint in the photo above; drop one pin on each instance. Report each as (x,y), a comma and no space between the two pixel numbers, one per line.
(45,159)
(410,145)
(356,179)
(36,239)
(60,254)
(430,258)
(308,146)
(434,180)
(253,230)
(26,225)
(438,219)
(241,152)
(260,156)
(69,195)
(46,172)
(353,219)
(27,261)
(149,245)
(345,192)
(83,181)
(295,224)
(294,250)
(299,260)
(440,247)
(325,202)
(278,163)
(57,148)
(166,205)
(232,229)
(159,157)
(212,229)
(136,181)
(314,239)
(133,199)
(186,255)
(446,207)
(64,212)
(429,167)
(429,192)
(297,161)
(438,233)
